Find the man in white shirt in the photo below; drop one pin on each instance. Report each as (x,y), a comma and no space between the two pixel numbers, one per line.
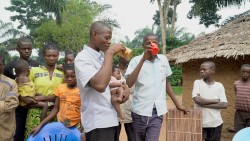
(149,74)
(209,96)
(93,70)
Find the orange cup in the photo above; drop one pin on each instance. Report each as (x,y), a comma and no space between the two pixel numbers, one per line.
(127,54)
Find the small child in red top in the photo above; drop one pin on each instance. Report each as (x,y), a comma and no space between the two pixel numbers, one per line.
(116,95)
(242,105)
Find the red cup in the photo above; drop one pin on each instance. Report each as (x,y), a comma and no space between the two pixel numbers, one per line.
(155,49)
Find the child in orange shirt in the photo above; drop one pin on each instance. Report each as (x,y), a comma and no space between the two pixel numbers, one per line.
(67,103)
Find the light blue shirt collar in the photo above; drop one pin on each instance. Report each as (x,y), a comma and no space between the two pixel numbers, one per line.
(156,58)
(98,55)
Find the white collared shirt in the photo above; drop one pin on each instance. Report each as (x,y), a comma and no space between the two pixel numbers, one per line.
(150,86)
(96,108)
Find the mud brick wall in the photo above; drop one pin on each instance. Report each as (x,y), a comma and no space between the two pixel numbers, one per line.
(227,71)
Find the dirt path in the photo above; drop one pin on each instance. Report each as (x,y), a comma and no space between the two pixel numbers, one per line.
(123,136)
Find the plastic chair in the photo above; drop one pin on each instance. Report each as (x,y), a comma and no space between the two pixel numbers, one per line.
(242,135)
(56,131)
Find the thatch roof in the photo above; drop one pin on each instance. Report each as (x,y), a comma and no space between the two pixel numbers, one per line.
(232,40)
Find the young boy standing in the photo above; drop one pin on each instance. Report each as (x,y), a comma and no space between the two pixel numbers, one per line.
(24,48)
(209,96)
(242,105)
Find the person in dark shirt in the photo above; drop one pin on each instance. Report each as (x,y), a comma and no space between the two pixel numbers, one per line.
(24,48)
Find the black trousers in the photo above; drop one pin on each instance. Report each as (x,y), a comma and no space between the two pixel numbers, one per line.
(103,134)
(21,115)
(212,134)
(129,131)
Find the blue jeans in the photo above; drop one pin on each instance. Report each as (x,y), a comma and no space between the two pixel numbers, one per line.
(147,128)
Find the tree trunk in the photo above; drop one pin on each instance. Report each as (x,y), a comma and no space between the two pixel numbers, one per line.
(173,19)
(165,14)
(162,27)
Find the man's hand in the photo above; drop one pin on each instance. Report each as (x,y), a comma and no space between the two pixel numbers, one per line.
(183,109)
(115,48)
(126,92)
(147,53)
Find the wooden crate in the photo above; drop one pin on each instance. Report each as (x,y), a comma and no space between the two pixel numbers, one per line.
(182,127)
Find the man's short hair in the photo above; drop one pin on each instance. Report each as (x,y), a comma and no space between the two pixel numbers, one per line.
(211,64)
(23,39)
(149,34)
(98,26)
(245,66)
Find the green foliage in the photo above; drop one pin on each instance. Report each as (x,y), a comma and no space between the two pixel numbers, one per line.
(177,90)
(173,42)
(156,17)
(207,10)
(29,14)
(60,61)
(7,30)
(138,51)
(54,6)
(115,60)
(5,54)
(74,31)
(8,58)
(176,78)
(180,38)
(9,33)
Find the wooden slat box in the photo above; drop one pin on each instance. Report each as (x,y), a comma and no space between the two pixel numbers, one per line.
(182,127)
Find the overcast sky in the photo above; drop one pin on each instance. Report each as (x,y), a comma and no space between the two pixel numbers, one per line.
(136,14)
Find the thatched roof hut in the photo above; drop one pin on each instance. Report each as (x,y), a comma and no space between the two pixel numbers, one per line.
(229,48)
(233,40)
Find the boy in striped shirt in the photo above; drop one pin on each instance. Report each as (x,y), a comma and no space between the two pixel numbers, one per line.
(242,100)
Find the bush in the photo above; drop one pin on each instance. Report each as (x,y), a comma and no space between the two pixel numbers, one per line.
(176,78)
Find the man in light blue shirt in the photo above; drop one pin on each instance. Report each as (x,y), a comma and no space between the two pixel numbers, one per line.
(149,74)
(93,67)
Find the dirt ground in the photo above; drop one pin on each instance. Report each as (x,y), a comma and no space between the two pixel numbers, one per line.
(123,136)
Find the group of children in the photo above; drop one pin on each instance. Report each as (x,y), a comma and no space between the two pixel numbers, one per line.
(67,103)
(210,96)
